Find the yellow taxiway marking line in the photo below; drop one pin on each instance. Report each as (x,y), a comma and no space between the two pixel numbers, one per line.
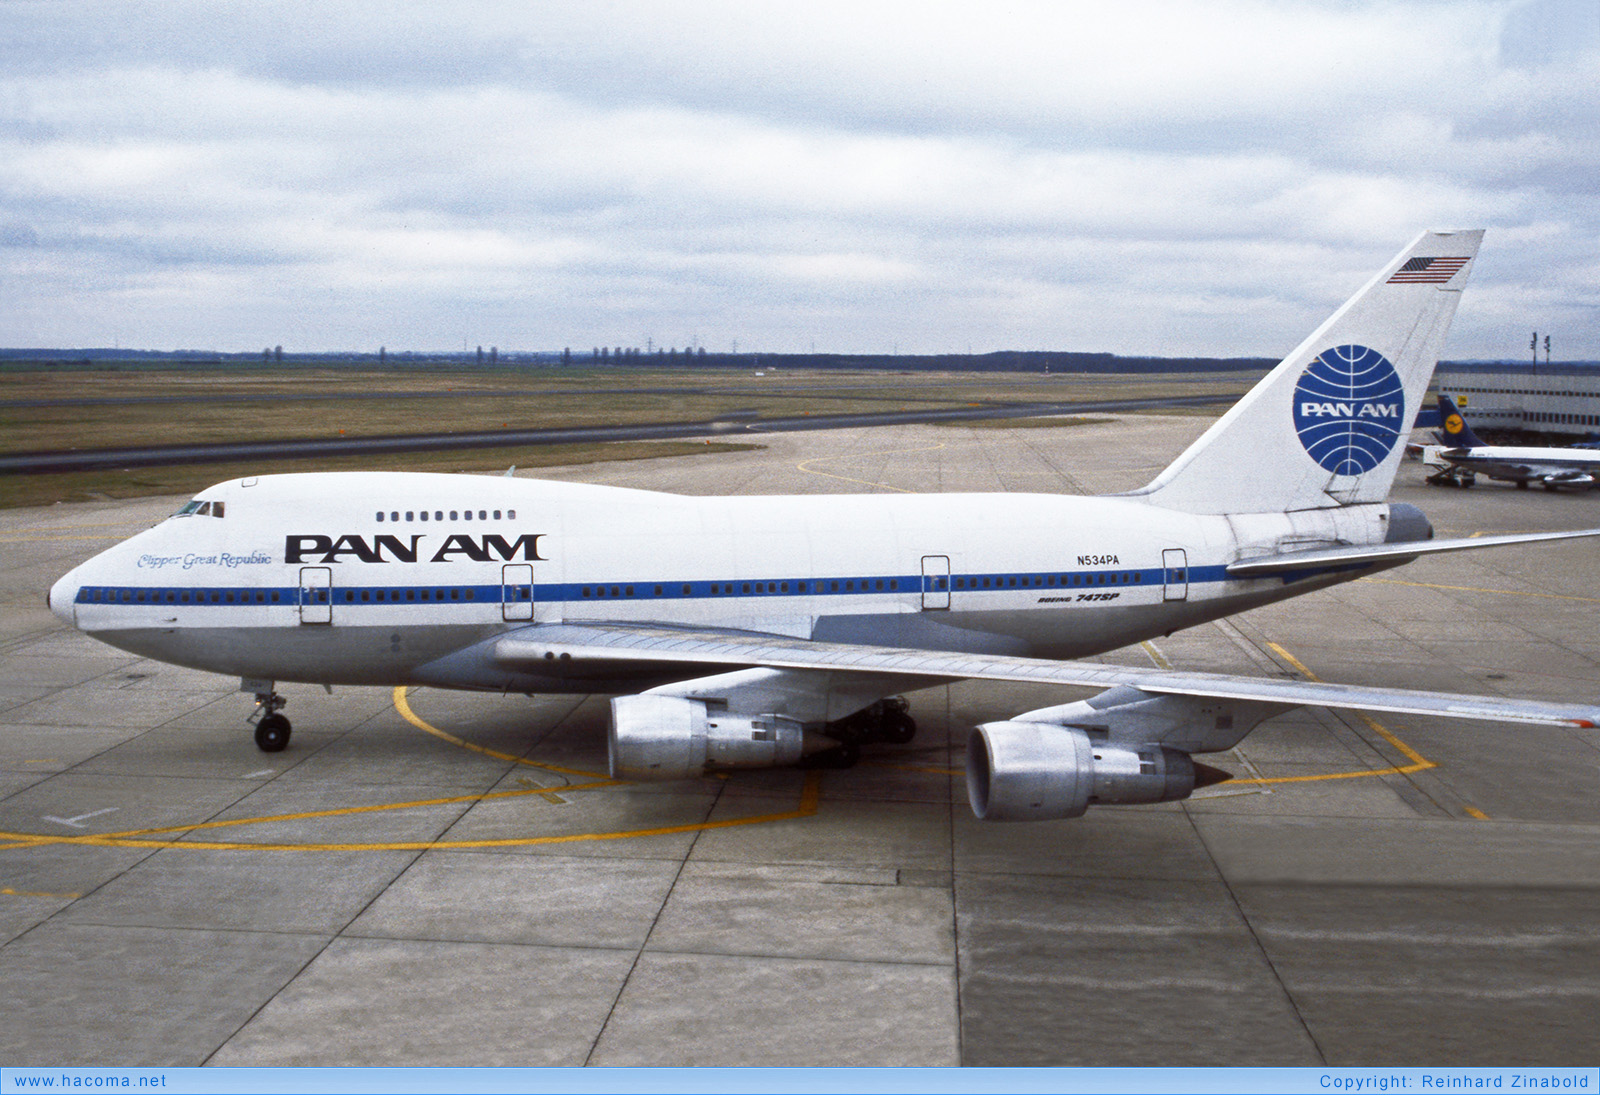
(803,465)
(1156,656)
(402,706)
(810,794)
(9,892)
(1418,761)
(920,769)
(340,811)
(1474,812)
(1476,589)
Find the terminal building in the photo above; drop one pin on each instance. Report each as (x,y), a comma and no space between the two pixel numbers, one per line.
(1561,398)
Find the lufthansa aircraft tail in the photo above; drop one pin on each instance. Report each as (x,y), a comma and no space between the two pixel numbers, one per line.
(1454,430)
(1327,426)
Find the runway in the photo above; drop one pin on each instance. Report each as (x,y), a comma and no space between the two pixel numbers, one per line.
(447,878)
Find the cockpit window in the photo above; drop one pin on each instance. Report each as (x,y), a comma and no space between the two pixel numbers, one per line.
(201,509)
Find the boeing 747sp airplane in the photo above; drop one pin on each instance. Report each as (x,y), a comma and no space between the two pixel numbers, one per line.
(761,631)
(1468,457)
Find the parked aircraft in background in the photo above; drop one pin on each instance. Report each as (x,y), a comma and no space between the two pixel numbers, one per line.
(1467,457)
(761,631)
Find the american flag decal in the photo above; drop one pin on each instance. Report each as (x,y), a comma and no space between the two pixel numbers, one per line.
(1431,271)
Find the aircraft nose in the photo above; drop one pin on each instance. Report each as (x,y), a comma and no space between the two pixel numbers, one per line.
(62,595)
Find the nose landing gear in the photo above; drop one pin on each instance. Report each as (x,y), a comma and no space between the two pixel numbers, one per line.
(272,729)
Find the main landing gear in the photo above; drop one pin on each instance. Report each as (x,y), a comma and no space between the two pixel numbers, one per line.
(272,729)
(887,720)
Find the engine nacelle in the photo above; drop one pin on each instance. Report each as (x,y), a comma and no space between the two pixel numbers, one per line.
(669,737)
(1029,771)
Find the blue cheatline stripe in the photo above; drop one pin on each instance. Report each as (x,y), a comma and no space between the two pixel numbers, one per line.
(439,594)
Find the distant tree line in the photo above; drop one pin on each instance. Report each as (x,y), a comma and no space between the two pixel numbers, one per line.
(1010,361)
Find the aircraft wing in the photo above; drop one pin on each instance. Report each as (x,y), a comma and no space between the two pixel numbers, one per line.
(1379,553)
(531,647)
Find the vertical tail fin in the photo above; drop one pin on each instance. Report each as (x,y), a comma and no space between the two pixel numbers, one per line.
(1325,427)
(1454,429)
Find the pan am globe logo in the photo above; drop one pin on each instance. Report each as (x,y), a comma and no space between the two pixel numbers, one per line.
(1349,409)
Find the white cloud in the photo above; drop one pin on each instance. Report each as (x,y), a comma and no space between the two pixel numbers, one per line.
(1150,177)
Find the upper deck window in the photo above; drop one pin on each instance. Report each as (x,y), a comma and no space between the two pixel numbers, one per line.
(409,515)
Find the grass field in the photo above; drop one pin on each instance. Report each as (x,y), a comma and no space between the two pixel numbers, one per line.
(211,404)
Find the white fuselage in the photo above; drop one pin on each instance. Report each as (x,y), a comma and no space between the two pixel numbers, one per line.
(374,578)
(1523,463)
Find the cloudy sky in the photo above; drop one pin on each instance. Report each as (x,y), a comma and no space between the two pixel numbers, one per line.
(1165,178)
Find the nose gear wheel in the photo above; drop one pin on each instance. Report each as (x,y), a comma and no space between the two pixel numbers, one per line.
(272,729)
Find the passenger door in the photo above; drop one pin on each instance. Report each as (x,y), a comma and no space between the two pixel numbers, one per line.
(1175,574)
(516,591)
(316,595)
(935,582)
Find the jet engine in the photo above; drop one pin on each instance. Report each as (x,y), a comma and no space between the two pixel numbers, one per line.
(1032,771)
(669,737)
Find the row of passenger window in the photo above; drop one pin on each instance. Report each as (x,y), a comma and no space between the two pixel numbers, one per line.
(725,589)
(407,596)
(1024,581)
(878,585)
(102,595)
(105,595)
(1561,418)
(439,515)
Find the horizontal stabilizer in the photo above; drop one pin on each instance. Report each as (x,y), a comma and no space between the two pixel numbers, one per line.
(533,646)
(1386,553)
